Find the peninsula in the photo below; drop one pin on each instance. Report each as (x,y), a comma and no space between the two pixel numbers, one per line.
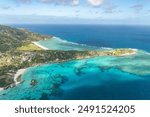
(19,50)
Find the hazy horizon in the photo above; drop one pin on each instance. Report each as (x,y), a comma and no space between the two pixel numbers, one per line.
(117,12)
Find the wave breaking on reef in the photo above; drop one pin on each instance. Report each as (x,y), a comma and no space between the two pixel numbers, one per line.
(57,43)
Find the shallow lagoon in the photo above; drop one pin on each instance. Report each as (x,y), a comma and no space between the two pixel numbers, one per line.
(95,78)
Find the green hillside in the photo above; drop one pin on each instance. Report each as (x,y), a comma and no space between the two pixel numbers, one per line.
(11,38)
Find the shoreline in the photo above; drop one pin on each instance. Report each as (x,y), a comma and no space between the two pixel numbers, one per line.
(20,72)
(129,54)
(44,48)
(133,53)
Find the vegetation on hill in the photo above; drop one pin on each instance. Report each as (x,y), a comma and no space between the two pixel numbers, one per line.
(11,38)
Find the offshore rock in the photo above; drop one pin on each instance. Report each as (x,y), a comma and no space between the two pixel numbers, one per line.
(33,82)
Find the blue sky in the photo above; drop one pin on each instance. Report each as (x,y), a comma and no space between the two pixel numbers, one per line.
(75,12)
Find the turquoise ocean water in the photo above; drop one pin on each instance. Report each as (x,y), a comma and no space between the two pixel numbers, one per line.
(95,78)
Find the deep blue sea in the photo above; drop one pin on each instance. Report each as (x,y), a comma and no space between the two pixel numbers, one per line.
(99,78)
(98,35)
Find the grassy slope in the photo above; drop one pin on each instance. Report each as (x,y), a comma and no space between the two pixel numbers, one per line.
(29,47)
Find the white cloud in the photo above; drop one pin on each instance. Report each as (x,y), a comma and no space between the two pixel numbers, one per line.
(138,8)
(75,2)
(95,2)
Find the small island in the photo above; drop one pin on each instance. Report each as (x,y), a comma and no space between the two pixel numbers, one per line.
(19,51)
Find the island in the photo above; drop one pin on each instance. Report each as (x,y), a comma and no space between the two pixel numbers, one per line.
(19,51)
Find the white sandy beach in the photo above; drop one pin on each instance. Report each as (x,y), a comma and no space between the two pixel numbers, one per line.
(18,73)
(1,89)
(133,53)
(44,48)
